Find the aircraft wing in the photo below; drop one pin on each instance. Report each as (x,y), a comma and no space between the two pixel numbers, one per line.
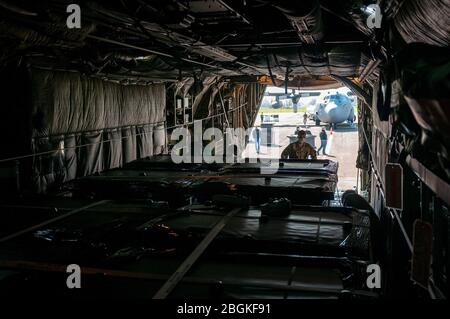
(290,95)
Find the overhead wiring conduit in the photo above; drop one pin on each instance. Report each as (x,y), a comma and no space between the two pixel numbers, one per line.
(305,17)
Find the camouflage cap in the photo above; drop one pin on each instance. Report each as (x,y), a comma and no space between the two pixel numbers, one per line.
(301,133)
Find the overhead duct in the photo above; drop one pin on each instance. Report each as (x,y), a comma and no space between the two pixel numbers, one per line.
(305,17)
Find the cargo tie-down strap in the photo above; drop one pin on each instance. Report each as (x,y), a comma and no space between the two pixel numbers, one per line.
(175,278)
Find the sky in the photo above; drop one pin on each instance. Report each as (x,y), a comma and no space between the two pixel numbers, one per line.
(274,89)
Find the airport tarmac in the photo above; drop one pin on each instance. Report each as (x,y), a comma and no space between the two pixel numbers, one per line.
(342,144)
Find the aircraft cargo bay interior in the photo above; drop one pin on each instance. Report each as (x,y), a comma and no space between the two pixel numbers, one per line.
(225,149)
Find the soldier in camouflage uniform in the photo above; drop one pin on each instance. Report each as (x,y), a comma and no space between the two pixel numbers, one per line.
(299,149)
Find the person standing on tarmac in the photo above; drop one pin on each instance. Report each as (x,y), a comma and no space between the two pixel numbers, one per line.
(257,136)
(305,119)
(323,141)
